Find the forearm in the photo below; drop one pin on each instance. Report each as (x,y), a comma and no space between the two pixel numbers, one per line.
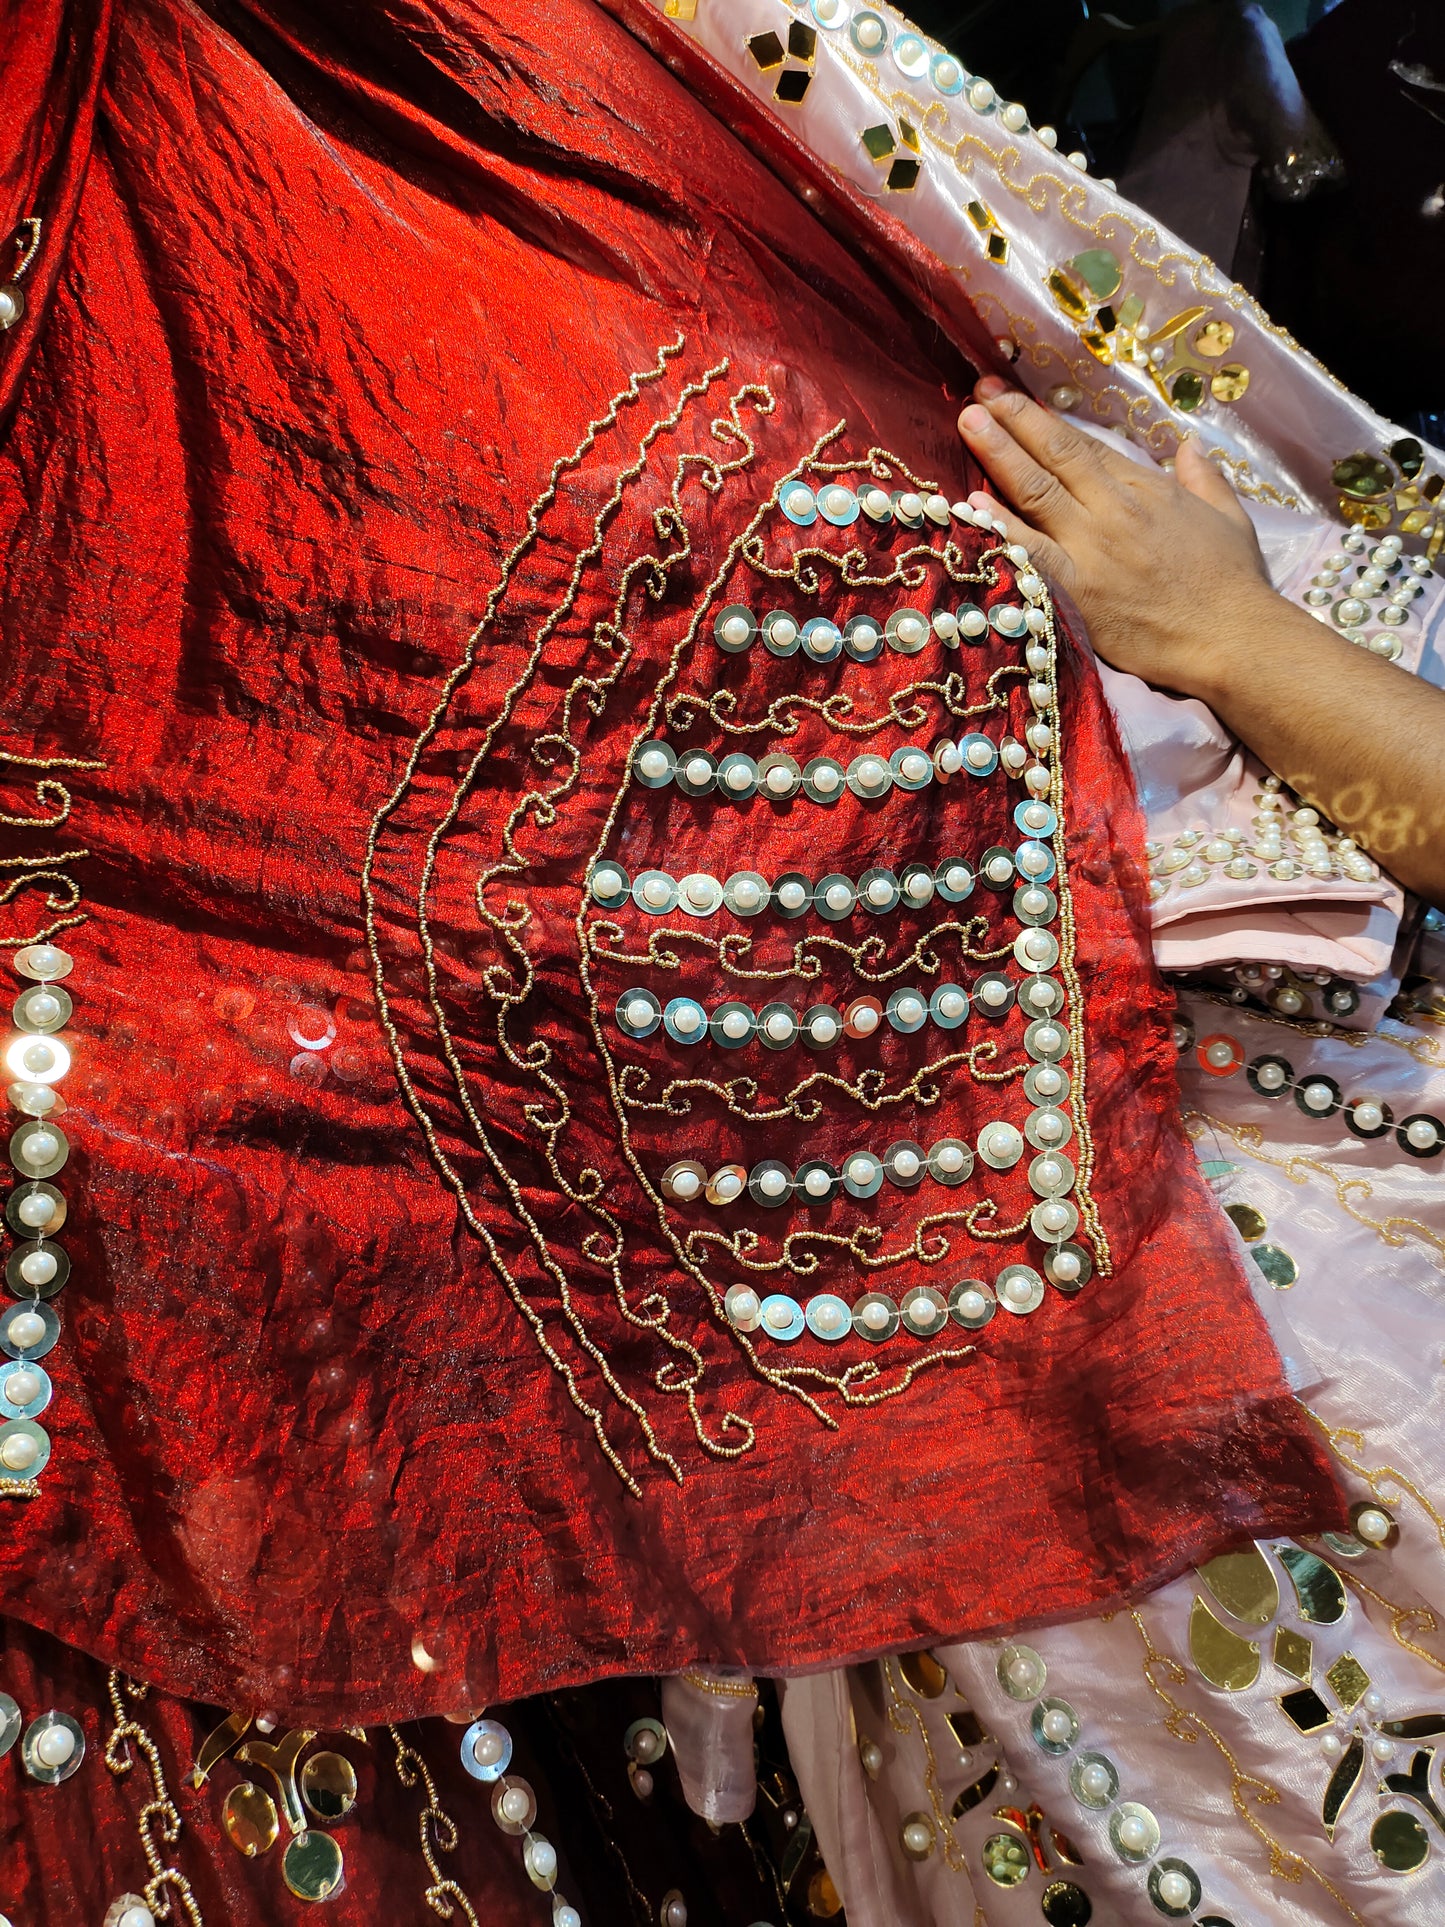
(1355,737)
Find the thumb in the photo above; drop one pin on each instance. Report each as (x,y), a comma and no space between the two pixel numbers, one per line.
(1195,472)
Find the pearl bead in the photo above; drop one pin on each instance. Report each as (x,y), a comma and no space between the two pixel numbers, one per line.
(1065,1266)
(746,1306)
(949,759)
(880,891)
(1372,1526)
(870,772)
(686,1185)
(1368,1117)
(915,766)
(917,1836)
(656,891)
(1332,1746)
(639,1013)
(817,1184)
(1381,1748)
(949,1159)
(951,1004)
(1014,117)
(909,629)
(736,629)
(1048,1038)
(1054,1217)
(1351,611)
(1048,135)
(1219,1054)
(906,1164)
(54,1746)
(823,1030)
(1134,1834)
(792,896)
(25,1329)
(826,779)
(19,1452)
(1271,1076)
(974,623)
(22,1387)
(779,782)
(1374,1702)
(919,887)
(1038,779)
(870,33)
(956,877)
(565,1916)
(994,992)
(138,1916)
(674,1914)
(945,73)
(910,505)
(1057,1725)
(864,635)
(35,1210)
(40,1147)
(42,1007)
(653,763)
(829,1318)
(1047,1081)
(1422,1134)
(1022,1671)
(488,1748)
(1096,1781)
(1049,1127)
(860,1171)
(737,1023)
(972,1304)
(799,501)
(38,1267)
(978,755)
(909,1010)
(1002,1141)
(698,772)
(1079,160)
(739,777)
(779,1026)
(746,894)
(1318,1097)
(981,95)
(865,1021)
(1049,1172)
(871,1754)
(1290,1002)
(1174,1890)
(875,1316)
(772,1184)
(999,869)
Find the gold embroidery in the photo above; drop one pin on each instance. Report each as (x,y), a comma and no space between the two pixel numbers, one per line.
(159,1820)
(735,946)
(1246,1790)
(929,1245)
(438,1833)
(684,710)
(870,1088)
(1394,1230)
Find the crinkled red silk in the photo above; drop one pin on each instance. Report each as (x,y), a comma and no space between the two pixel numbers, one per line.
(324,293)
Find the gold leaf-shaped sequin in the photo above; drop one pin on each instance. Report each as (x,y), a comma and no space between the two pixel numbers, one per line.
(1249,1221)
(217,1744)
(824,1900)
(966,1727)
(1073,299)
(923,1673)
(1294,1653)
(1176,324)
(1415,1726)
(1349,1682)
(1343,1781)
(248,1814)
(1222,1656)
(1244,1584)
(1318,1587)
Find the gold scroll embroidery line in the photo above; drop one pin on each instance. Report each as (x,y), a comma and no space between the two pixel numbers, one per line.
(437,1831)
(1183,1724)
(735,946)
(159,1820)
(458,675)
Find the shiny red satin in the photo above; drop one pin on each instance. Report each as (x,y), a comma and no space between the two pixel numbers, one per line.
(335,1432)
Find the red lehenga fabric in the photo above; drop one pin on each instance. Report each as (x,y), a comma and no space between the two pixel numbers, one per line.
(356,1419)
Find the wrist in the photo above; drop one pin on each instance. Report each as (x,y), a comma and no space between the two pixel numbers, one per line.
(1251,620)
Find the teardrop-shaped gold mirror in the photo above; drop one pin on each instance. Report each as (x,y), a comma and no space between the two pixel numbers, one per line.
(1223,1657)
(1244,1584)
(1318,1587)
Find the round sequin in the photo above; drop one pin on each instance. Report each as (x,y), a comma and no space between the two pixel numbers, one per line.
(1035,862)
(28,1331)
(1270,1076)
(25,1390)
(1094,1780)
(911,767)
(829,1318)
(879,891)
(1005,1859)
(993,995)
(1221,1056)
(782,635)
(653,765)
(863,639)
(869,777)
(699,895)
(907,1010)
(1019,1289)
(996,868)
(770,1184)
(1054,1725)
(817,1181)
(1277,1265)
(1068,1268)
(486,1750)
(905,1163)
(821,1027)
(862,1174)
(834,897)
(732,1025)
(734,628)
(39,1270)
(779,778)
(954,879)
(1036,949)
(1048,1129)
(695,772)
(1041,996)
(869,34)
(792,894)
(838,504)
(1133,1832)
(736,777)
(1051,1174)
(1318,1096)
(825,780)
(971,1304)
(948,1006)
(777,1026)
(875,1317)
(863,1017)
(744,1308)
(746,893)
(1035,818)
(798,503)
(782,1317)
(638,1013)
(1174,1888)
(1022,1673)
(979,757)
(923,1311)
(950,1161)
(1065,1905)
(822,640)
(907,631)
(610,886)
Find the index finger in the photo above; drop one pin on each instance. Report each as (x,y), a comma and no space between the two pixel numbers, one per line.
(1075,460)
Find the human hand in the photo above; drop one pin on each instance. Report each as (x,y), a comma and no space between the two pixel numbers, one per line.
(1164,569)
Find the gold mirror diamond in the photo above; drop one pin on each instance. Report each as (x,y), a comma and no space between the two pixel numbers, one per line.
(1349,1682)
(1294,1653)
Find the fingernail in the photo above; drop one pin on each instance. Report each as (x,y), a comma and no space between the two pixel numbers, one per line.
(976,420)
(990,387)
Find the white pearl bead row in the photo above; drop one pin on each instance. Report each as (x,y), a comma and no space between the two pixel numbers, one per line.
(878,891)
(733,1024)
(738,778)
(1420,1135)
(1291,995)
(486,1755)
(1195,855)
(39,1059)
(1386,578)
(918,59)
